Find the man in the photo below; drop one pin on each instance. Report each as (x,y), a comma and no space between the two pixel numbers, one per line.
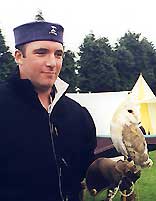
(47,140)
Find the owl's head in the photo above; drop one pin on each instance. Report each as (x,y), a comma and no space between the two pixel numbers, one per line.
(127,113)
(130,113)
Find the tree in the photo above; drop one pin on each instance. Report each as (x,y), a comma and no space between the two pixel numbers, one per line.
(96,66)
(7,63)
(149,61)
(125,65)
(68,72)
(39,16)
(134,56)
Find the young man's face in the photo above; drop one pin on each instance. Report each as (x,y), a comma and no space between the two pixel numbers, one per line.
(41,63)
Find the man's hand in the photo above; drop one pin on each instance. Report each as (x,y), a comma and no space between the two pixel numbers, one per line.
(129,179)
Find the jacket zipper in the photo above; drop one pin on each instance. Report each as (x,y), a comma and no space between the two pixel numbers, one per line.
(51,127)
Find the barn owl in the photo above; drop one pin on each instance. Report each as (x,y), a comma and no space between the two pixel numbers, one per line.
(126,135)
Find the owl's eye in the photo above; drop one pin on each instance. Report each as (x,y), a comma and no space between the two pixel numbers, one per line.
(130,111)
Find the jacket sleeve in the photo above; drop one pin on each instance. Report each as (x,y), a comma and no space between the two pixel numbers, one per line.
(84,156)
(90,130)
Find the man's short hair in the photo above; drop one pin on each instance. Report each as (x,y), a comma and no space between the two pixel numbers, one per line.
(22,48)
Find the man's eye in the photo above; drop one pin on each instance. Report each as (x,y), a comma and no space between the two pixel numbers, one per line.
(59,54)
(41,52)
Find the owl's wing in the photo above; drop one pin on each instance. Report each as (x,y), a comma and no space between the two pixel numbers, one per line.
(136,145)
(116,136)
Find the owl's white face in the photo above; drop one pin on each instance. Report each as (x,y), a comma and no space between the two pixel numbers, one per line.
(131,112)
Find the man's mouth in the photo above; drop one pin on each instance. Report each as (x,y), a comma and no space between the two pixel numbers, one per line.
(49,72)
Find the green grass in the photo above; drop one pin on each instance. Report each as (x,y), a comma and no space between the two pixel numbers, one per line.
(145,187)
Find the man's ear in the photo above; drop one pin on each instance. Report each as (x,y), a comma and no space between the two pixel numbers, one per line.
(18,57)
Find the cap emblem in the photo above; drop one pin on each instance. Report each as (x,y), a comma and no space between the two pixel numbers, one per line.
(53,30)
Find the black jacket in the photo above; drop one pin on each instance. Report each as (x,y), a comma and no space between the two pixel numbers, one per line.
(31,156)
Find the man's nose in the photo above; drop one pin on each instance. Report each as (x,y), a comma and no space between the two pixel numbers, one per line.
(51,61)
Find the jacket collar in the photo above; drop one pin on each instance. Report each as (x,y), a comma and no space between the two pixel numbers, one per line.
(61,88)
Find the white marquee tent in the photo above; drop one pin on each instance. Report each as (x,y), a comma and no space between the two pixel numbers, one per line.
(103,105)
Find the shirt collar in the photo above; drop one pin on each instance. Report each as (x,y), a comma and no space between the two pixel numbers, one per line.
(60,88)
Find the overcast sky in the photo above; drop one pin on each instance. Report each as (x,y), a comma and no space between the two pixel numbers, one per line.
(105,18)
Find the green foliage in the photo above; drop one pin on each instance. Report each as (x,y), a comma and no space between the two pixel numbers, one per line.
(134,56)
(103,68)
(68,72)
(7,63)
(96,66)
(39,16)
